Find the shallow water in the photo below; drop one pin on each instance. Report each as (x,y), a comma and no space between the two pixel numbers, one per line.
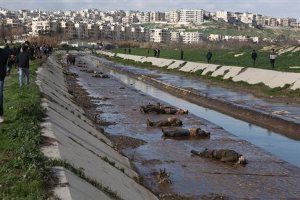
(275,143)
(264,177)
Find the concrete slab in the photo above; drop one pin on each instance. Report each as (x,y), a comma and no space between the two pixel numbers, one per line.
(221,71)
(189,66)
(255,76)
(176,64)
(71,187)
(296,85)
(233,71)
(210,68)
(282,79)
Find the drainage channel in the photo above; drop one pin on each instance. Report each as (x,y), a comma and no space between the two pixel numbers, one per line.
(273,142)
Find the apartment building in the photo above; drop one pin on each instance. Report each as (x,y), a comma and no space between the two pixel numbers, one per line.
(44,27)
(81,31)
(191,16)
(68,29)
(191,37)
(172,16)
(159,35)
(223,15)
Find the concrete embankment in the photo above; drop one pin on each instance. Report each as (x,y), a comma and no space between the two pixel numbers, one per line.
(73,139)
(270,78)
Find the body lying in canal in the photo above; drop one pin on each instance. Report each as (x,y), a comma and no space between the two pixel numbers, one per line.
(162,109)
(223,155)
(177,132)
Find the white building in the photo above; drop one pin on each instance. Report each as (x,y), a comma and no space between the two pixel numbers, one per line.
(159,35)
(173,16)
(224,15)
(44,27)
(191,37)
(191,16)
(175,36)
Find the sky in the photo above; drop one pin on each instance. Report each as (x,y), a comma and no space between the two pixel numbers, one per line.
(276,8)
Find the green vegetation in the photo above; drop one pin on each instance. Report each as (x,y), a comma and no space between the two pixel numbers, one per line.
(23,168)
(227,57)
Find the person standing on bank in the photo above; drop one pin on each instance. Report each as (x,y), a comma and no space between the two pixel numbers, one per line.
(273,56)
(181,54)
(23,64)
(208,56)
(254,56)
(3,62)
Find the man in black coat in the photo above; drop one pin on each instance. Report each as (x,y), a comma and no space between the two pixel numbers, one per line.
(3,62)
(23,64)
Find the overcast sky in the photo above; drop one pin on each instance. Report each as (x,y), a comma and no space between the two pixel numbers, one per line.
(278,8)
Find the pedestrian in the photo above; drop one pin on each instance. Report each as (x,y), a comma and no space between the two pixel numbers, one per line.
(148,52)
(125,50)
(209,56)
(3,61)
(181,54)
(129,50)
(10,63)
(158,52)
(23,64)
(254,56)
(273,56)
(155,52)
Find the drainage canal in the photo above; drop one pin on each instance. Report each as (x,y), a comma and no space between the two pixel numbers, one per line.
(285,148)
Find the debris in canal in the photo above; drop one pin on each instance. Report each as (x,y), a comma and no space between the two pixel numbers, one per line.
(180,132)
(223,155)
(100,76)
(171,121)
(163,177)
(162,109)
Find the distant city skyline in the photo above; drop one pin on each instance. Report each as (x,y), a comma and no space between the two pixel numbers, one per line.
(276,8)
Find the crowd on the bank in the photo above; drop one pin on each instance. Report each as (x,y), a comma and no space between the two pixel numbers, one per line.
(19,57)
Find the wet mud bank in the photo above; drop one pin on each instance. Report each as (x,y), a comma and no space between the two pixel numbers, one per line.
(118,114)
(277,123)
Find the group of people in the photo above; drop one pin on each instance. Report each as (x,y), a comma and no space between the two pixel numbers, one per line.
(20,57)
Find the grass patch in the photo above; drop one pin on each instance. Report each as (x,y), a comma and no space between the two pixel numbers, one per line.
(23,168)
(227,57)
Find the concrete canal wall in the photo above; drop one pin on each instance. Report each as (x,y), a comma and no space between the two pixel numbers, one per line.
(270,78)
(73,139)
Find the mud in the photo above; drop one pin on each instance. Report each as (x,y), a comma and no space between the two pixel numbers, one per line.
(90,105)
(265,177)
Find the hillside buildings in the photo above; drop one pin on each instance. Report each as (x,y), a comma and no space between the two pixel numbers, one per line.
(94,24)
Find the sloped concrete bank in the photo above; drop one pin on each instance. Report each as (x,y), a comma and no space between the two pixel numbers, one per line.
(270,78)
(277,123)
(73,140)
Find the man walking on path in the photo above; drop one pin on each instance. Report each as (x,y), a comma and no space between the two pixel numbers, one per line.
(208,56)
(3,61)
(181,54)
(23,64)
(273,56)
(254,56)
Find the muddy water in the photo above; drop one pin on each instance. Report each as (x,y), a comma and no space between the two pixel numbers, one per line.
(264,177)
(273,142)
(279,145)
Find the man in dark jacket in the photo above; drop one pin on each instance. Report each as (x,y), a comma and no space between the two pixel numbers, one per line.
(3,62)
(23,64)
(254,56)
